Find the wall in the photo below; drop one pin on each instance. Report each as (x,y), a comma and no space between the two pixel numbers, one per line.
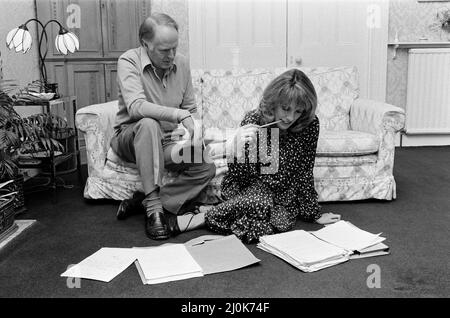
(22,67)
(178,10)
(412,20)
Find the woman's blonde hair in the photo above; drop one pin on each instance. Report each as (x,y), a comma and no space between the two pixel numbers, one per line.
(292,88)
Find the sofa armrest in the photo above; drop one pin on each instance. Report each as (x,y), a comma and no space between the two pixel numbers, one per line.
(376,117)
(383,120)
(96,122)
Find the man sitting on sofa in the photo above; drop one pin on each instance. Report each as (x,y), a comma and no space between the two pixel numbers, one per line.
(155,95)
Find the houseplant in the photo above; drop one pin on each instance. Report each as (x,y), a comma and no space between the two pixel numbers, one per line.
(442,23)
(46,128)
(26,141)
(13,131)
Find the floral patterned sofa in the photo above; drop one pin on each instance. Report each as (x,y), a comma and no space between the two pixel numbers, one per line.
(355,152)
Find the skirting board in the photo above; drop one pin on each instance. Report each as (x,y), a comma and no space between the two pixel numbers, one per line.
(22,225)
(422,140)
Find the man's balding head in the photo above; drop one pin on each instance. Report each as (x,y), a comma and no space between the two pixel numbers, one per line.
(147,28)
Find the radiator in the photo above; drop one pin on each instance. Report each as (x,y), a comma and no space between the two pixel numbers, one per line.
(428,92)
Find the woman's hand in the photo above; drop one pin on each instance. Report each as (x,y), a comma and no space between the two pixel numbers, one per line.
(328,218)
(236,146)
(188,123)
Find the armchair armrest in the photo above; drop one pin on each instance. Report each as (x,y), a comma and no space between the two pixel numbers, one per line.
(383,120)
(376,117)
(105,113)
(96,123)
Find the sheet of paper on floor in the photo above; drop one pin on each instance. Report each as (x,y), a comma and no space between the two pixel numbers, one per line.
(103,265)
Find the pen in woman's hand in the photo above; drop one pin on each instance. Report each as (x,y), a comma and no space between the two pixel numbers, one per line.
(270,124)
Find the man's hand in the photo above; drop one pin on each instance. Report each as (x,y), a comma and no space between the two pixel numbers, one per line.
(188,123)
(328,218)
(177,134)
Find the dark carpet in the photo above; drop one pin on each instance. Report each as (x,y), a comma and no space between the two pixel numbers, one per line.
(416,225)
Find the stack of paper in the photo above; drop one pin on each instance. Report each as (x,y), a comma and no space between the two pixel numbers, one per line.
(334,244)
(346,235)
(166,263)
(303,250)
(358,242)
(374,250)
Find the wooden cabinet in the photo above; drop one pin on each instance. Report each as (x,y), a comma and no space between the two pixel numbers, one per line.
(105,29)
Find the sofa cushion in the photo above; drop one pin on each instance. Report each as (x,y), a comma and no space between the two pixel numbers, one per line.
(345,161)
(336,90)
(228,95)
(330,144)
(346,143)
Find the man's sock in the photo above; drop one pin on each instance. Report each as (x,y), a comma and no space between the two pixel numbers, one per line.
(190,221)
(152,203)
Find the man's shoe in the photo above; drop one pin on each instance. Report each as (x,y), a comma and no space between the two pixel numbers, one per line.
(172,223)
(124,209)
(156,227)
(131,206)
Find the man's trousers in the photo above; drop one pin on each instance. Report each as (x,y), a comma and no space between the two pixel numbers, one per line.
(144,143)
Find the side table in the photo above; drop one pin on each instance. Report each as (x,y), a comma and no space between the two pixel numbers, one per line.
(64,107)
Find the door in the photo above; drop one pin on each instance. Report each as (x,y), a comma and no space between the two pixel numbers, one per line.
(237,34)
(273,33)
(341,33)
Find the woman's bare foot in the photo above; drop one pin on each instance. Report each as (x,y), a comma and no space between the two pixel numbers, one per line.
(204,208)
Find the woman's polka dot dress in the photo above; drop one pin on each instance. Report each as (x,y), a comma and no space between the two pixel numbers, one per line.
(262,198)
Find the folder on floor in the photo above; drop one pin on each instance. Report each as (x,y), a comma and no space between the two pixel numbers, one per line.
(217,254)
(166,263)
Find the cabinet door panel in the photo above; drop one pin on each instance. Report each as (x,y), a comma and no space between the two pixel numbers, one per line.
(82,17)
(87,82)
(57,73)
(111,81)
(120,26)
